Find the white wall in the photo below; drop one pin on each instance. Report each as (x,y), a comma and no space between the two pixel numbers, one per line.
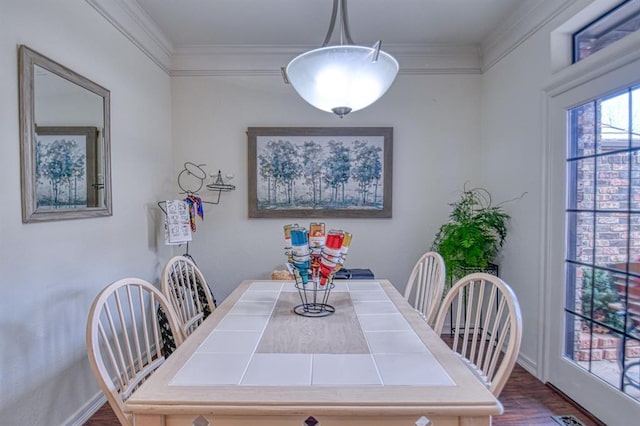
(436,144)
(52,271)
(512,163)
(448,129)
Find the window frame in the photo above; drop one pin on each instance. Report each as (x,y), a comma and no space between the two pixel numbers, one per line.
(611,19)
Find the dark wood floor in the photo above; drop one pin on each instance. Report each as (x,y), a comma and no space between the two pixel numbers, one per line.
(526,400)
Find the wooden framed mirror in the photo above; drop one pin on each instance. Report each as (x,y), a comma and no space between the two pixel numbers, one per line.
(64,142)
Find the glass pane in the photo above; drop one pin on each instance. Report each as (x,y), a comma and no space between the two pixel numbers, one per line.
(613,181)
(635,117)
(599,300)
(612,232)
(613,122)
(630,365)
(582,129)
(606,347)
(576,275)
(635,179)
(632,301)
(577,345)
(582,174)
(634,241)
(582,236)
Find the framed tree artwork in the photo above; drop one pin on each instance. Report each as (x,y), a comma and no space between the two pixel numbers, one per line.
(66,168)
(320,172)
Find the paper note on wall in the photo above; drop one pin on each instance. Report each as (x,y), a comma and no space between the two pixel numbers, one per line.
(177,228)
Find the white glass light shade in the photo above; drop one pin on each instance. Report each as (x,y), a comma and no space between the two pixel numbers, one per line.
(342,78)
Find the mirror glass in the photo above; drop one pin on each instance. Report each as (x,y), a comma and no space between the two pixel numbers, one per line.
(65,145)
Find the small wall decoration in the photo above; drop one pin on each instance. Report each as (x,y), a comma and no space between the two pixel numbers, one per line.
(320,172)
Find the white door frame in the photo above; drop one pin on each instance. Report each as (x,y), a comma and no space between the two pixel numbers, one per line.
(614,68)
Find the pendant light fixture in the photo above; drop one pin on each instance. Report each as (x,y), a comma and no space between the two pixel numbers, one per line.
(345,77)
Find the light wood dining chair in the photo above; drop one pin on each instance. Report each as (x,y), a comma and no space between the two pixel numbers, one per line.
(426,285)
(186,289)
(486,325)
(124,341)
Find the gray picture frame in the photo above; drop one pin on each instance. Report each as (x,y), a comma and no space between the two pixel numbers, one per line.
(42,78)
(320,172)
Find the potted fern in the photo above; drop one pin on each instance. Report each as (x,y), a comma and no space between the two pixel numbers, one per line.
(474,234)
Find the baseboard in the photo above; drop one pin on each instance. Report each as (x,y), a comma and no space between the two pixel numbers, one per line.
(579,407)
(528,364)
(93,405)
(89,409)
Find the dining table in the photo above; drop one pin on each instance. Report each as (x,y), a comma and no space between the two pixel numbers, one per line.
(254,361)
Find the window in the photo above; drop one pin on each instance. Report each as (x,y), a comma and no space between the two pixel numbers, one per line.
(603,234)
(612,26)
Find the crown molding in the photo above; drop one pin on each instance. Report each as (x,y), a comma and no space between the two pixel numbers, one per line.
(132,21)
(529,18)
(429,59)
(247,60)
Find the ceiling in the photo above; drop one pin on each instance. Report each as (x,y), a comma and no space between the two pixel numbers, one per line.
(188,23)
(258,37)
